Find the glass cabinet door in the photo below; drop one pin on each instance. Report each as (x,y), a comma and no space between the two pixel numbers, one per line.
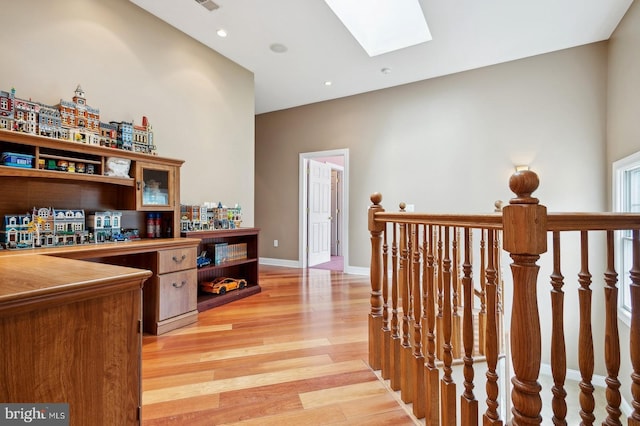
(154,186)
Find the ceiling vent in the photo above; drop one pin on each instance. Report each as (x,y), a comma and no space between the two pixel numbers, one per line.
(208,4)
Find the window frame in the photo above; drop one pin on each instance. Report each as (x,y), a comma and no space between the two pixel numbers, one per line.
(621,171)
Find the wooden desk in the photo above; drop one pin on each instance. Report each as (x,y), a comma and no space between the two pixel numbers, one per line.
(71,332)
(170,295)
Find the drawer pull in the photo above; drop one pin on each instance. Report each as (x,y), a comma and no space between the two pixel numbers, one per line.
(179,286)
(175,259)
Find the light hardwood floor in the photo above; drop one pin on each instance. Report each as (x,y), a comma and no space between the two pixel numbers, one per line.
(293,354)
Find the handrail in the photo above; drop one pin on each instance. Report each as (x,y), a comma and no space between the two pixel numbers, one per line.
(592,221)
(486,221)
(556,221)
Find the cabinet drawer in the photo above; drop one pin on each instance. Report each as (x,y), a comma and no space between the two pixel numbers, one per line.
(176,260)
(178,293)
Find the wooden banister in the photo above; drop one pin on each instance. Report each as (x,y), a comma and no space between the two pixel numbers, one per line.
(525,238)
(585,334)
(558,346)
(634,344)
(468,402)
(375,316)
(427,314)
(612,343)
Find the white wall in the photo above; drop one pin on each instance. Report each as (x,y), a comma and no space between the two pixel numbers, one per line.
(131,64)
(623,125)
(445,144)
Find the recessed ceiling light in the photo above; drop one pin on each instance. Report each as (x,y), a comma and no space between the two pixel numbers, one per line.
(386,26)
(278,48)
(222,32)
(385,70)
(328,83)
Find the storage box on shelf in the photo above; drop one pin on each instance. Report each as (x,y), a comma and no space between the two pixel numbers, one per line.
(242,245)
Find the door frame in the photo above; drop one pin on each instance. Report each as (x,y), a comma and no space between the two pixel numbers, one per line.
(303,196)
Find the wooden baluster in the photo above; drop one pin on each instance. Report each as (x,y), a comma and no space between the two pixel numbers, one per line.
(455,286)
(375,316)
(447,385)
(524,223)
(558,346)
(499,291)
(386,330)
(432,374)
(585,336)
(406,386)
(634,338)
(612,338)
(425,271)
(394,354)
(468,402)
(409,272)
(491,416)
(419,400)
(482,315)
(439,331)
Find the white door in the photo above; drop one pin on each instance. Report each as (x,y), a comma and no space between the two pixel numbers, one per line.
(319,208)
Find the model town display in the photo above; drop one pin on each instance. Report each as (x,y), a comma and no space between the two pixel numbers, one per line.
(49,227)
(204,217)
(73,121)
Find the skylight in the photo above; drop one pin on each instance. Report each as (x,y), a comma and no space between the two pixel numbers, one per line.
(382,26)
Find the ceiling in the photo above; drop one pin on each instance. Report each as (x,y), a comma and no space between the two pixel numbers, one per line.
(467,34)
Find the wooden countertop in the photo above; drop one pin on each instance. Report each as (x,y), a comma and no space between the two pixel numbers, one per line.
(36,282)
(89,251)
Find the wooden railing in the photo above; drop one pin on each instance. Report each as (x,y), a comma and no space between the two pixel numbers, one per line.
(427,315)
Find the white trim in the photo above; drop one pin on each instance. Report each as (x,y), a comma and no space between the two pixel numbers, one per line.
(279,262)
(302,197)
(356,270)
(619,168)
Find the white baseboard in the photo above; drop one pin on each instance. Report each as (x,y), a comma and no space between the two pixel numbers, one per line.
(279,262)
(356,270)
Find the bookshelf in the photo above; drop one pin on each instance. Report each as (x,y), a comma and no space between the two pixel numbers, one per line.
(241,262)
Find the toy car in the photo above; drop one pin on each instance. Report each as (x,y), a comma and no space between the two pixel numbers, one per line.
(221,285)
(202,260)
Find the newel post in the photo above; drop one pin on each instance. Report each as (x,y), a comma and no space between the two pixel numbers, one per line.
(375,274)
(525,238)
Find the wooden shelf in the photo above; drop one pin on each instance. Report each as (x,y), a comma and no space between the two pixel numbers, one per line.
(38,141)
(246,269)
(207,301)
(228,264)
(54,174)
(74,159)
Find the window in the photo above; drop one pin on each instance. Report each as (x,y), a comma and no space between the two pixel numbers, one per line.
(626,198)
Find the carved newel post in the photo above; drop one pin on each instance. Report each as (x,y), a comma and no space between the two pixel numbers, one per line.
(525,238)
(375,274)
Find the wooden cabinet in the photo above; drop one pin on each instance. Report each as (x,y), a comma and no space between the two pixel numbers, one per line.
(153,183)
(244,266)
(171,295)
(154,186)
(70,333)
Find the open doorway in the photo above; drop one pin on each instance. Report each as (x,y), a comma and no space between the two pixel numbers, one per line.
(337,162)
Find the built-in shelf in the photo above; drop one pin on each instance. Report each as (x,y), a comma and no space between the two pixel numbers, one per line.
(246,269)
